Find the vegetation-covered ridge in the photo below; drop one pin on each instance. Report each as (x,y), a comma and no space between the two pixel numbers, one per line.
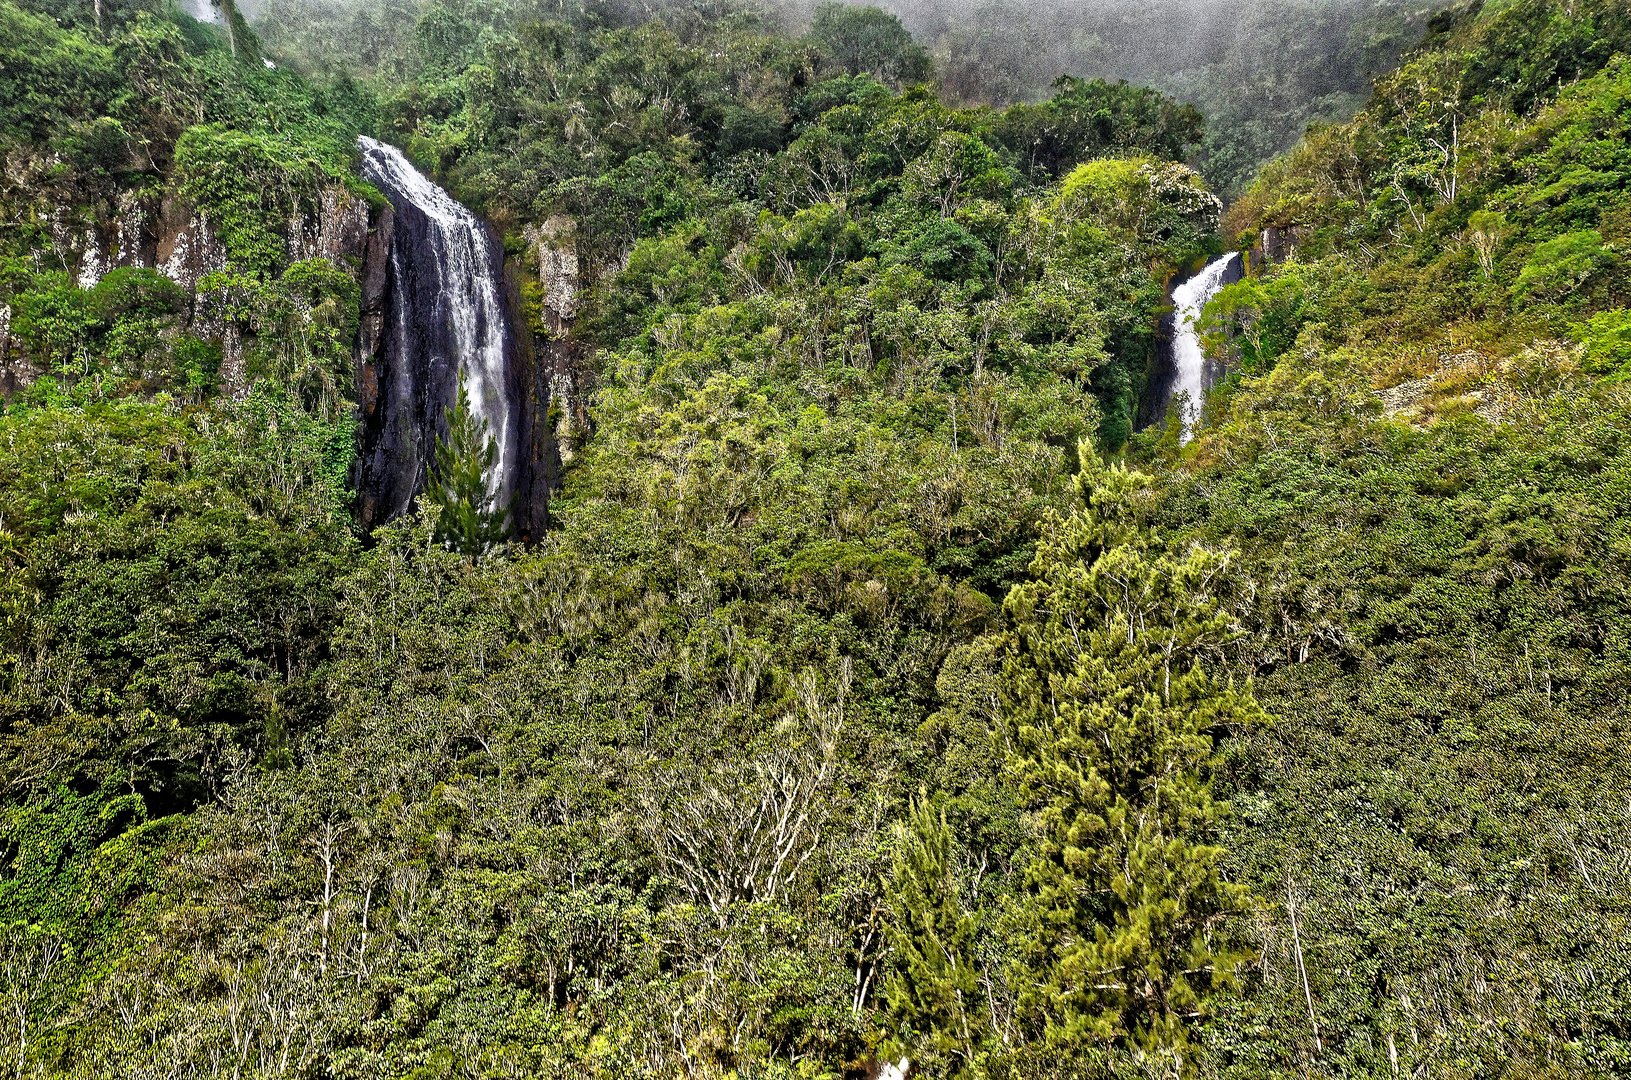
(1260,70)
(876,693)
(282,799)
(1422,465)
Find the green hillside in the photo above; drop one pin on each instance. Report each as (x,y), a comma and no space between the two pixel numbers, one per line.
(877,692)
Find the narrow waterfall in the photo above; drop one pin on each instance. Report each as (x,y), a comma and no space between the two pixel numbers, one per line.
(442,325)
(1190,376)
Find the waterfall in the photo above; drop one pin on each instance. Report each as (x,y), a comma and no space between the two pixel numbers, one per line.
(205,12)
(444,327)
(1189,364)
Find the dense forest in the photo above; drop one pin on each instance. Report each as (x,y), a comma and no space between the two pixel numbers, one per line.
(876,676)
(1261,71)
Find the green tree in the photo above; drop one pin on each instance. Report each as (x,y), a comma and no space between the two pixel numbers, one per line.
(870,41)
(1607,338)
(1254,322)
(1090,118)
(1560,268)
(931,992)
(469,522)
(1114,720)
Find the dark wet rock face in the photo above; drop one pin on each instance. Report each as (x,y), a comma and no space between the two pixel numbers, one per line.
(436,317)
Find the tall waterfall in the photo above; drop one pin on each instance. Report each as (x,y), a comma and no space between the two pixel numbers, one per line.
(1190,376)
(444,326)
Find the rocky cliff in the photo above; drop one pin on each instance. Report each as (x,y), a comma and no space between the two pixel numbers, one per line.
(163,233)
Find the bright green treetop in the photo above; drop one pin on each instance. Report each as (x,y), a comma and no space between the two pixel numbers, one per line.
(469,522)
(1115,720)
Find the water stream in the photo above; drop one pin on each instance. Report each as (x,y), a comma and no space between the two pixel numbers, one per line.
(447,329)
(1190,377)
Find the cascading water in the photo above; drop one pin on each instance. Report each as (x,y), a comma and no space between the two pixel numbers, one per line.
(444,327)
(205,12)
(1189,364)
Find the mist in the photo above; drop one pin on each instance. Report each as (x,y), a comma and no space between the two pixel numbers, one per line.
(1260,71)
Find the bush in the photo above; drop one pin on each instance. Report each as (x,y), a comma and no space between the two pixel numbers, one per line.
(1562,268)
(1607,338)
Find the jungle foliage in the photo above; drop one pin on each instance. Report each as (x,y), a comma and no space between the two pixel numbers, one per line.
(876,692)
(1261,71)
(1422,462)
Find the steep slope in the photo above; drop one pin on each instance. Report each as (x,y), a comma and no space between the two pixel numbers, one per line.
(285,799)
(143,149)
(852,709)
(1422,461)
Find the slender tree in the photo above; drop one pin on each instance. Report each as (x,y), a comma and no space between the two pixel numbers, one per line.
(932,989)
(1114,721)
(469,521)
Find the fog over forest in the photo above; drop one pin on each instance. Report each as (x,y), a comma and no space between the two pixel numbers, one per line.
(1260,71)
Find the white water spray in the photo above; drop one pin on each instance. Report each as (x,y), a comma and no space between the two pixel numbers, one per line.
(1189,361)
(456,257)
(205,12)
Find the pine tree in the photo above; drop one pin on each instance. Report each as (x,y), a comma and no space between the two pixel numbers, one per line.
(1114,719)
(931,991)
(468,522)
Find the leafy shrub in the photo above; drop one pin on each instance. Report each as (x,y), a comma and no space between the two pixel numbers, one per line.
(1607,338)
(249,185)
(1563,267)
